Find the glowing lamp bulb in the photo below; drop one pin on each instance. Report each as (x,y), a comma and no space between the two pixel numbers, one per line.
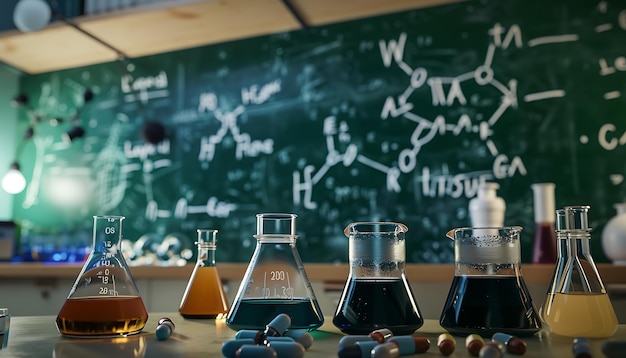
(13,181)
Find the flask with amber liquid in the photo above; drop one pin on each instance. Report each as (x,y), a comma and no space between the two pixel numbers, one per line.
(204,296)
(104,300)
(577,304)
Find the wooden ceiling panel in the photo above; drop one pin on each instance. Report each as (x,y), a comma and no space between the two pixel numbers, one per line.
(52,49)
(192,25)
(150,31)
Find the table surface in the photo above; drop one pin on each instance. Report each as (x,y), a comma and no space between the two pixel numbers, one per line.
(36,336)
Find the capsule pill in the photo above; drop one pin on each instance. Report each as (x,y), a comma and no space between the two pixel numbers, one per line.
(446,344)
(385,350)
(278,325)
(490,350)
(346,341)
(164,329)
(285,349)
(581,348)
(301,336)
(512,344)
(381,335)
(361,349)
(410,344)
(249,333)
(474,343)
(255,351)
(614,349)
(229,348)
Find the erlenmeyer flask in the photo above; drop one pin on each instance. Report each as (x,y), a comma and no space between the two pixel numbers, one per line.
(577,304)
(275,281)
(104,300)
(204,296)
(377,293)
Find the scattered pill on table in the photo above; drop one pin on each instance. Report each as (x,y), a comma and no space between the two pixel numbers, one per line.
(164,328)
(346,341)
(229,348)
(381,335)
(581,348)
(301,336)
(512,344)
(490,350)
(361,349)
(446,344)
(255,351)
(474,343)
(286,349)
(614,349)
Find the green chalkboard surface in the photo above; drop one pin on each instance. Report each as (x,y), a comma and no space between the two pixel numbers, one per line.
(396,117)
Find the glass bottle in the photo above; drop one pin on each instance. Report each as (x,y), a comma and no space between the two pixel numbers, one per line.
(488,293)
(275,281)
(377,293)
(204,296)
(544,244)
(577,304)
(104,300)
(614,236)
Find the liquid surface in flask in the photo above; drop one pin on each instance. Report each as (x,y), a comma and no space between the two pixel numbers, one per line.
(252,312)
(370,304)
(204,296)
(487,305)
(99,316)
(580,315)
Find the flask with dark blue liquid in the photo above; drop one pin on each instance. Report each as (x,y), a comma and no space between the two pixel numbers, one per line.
(275,281)
(377,293)
(488,293)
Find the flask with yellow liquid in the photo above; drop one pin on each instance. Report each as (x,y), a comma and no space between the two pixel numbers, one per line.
(577,304)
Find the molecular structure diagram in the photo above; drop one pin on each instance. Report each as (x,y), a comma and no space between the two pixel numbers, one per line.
(444,91)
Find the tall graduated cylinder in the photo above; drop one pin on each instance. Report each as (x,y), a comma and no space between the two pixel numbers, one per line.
(104,300)
(488,293)
(377,293)
(275,281)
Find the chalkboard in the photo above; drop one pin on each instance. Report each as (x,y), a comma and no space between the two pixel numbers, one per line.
(395,117)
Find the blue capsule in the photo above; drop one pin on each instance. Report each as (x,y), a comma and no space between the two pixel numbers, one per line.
(164,329)
(287,349)
(229,348)
(614,349)
(301,336)
(255,351)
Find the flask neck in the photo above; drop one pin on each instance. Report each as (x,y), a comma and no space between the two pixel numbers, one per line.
(576,269)
(107,234)
(206,255)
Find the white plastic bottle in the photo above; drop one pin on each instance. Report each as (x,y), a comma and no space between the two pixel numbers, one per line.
(487,208)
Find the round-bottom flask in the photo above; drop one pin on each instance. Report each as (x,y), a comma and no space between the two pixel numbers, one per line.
(275,281)
(204,296)
(104,300)
(377,293)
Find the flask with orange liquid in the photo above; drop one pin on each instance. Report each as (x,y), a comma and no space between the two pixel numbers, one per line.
(204,296)
(104,300)
(577,304)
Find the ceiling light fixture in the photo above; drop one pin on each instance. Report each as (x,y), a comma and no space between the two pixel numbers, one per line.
(13,182)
